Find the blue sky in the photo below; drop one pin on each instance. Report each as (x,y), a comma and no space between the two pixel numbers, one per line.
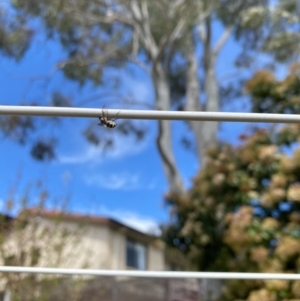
(127,183)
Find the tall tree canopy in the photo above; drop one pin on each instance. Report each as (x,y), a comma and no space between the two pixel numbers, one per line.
(15,35)
(162,38)
(243,212)
(282,38)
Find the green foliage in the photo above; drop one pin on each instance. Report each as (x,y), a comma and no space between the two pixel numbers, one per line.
(242,213)
(15,35)
(43,150)
(24,130)
(269,95)
(90,43)
(17,128)
(96,35)
(280,22)
(60,100)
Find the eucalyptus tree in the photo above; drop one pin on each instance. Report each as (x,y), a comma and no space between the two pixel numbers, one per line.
(173,41)
(281,21)
(15,35)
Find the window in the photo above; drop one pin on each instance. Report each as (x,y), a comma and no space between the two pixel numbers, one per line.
(135,255)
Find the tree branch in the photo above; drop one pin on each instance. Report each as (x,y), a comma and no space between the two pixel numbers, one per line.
(164,136)
(201,32)
(192,98)
(104,59)
(202,17)
(135,42)
(109,18)
(224,37)
(143,27)
(139,63)
(170,39)
(164,146)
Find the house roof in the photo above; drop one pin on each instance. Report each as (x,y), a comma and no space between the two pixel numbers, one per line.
(90,219)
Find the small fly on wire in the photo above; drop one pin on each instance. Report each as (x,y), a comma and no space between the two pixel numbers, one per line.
(106,121)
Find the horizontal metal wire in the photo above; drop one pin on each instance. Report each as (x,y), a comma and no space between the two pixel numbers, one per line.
(147,114)
(149,274)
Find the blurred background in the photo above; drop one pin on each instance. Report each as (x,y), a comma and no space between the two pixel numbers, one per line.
(150,195)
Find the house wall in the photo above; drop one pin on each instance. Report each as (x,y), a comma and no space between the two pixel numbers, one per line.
(118,250)
(156,259)
(94,246)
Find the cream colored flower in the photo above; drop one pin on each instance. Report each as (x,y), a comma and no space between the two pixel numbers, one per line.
(253,194)
(247,155)
(262,295)
(267,153)
(267,200)
(273,265)
(287,247)
(296,289)
(246,210)
(270,223)
(293,193)
(278,180)
(259,254)
(228,218)
(277,194)
(296,157)
(218,179)
(286,164)
(277,285)
(242,218)
(204,239)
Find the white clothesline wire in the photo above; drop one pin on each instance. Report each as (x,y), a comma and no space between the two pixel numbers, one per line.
(150,274)
(148,114)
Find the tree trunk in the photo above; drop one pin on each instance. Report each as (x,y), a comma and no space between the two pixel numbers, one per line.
(164,137)
(205,132)
(193,98)
(212,104)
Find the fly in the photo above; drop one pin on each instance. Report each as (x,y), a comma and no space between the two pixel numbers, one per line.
(105,121)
